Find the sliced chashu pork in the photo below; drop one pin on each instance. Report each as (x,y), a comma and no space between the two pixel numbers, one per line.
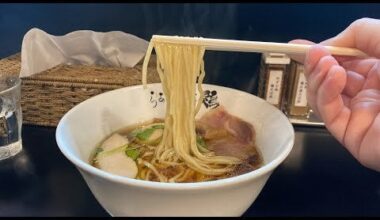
(227,135)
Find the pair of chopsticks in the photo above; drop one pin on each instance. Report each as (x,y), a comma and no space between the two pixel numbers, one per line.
(254,46)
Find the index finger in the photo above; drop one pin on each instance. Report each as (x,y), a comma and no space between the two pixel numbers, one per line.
(362,34)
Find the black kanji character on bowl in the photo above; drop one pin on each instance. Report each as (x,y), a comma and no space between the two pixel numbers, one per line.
(211,99)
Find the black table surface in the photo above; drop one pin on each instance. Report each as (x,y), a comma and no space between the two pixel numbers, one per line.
(319,178)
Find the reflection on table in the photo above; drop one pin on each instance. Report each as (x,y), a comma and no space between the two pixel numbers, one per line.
(319,178)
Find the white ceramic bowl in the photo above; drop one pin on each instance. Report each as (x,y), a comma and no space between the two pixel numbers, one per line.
(89,122)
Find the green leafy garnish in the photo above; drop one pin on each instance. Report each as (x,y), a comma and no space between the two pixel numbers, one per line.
(150,134)
(132,153)
(145,134)
(135,132)
(103,152)
(158,126)
(201,142)
(98,150)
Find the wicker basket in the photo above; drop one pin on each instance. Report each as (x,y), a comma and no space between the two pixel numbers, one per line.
(48,95)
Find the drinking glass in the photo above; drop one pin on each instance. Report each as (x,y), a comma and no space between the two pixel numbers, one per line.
(10,116)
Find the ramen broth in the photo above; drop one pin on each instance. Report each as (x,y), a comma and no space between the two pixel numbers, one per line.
(131,151)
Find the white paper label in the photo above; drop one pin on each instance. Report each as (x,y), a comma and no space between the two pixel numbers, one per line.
(301,100)
(274,87)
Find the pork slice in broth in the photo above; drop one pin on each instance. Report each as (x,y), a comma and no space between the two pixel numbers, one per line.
(240,129)
(215,118)
(230,146)
(226,134)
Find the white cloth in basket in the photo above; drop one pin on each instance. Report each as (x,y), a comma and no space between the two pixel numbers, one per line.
(41,51)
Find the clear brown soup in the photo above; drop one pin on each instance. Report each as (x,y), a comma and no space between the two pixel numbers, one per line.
(233,138)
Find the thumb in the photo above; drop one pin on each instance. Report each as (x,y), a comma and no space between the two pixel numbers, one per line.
(299,58)
(362,34)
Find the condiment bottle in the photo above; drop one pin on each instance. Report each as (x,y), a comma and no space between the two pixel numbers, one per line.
(273,75)
(296,101)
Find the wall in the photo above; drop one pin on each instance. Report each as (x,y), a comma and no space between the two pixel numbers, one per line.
(248,21)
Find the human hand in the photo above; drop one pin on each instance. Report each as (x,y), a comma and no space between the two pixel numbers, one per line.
(345,92)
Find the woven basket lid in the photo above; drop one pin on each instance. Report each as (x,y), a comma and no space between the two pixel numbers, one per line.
(122,76)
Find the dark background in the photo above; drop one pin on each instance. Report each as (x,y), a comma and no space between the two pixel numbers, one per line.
(277,22)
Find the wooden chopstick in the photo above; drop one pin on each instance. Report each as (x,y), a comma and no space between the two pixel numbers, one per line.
(254,46)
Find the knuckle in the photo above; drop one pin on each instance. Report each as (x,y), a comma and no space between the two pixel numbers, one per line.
(357,24)
(326,63)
